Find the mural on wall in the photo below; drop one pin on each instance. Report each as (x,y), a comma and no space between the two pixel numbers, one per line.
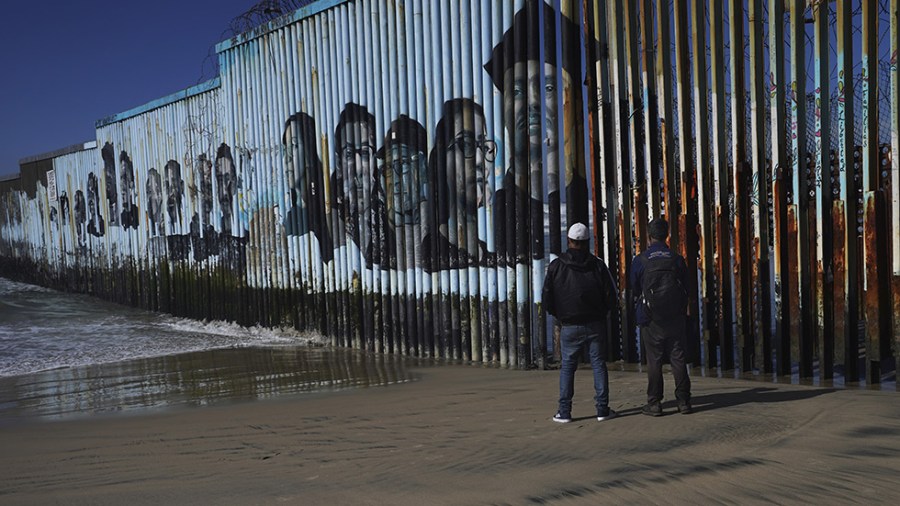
(417,213)
(174,193)
(461,163)
(202,231)
(403,194)
(130,212)
(205,176)
(302,164)
(531,115)
(64,206)
(109,178)
(80,217)
(354,180)
(96,224)
(226,183)
(155,212)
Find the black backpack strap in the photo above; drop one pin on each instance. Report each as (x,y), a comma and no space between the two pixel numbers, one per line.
(607,284)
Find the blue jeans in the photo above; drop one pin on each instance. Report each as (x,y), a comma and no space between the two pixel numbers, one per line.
(572,339)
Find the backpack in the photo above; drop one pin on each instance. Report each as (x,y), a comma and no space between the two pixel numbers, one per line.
(664,297)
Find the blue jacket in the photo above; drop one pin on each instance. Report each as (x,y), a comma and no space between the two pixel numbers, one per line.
(637,274)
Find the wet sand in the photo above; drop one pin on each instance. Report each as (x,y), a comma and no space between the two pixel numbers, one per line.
(471,435)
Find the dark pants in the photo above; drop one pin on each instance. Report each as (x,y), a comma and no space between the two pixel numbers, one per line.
(663,340)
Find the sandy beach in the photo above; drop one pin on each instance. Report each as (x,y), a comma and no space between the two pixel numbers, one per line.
(471,435)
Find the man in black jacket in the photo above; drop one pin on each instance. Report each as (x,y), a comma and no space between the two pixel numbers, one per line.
(659,278)
(579,291)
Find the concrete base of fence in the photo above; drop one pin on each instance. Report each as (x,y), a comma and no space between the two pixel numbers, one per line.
(472,435)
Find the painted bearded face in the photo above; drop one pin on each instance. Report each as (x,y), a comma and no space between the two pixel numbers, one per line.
(522,97)
(406,170)
(356,157)
(225,181)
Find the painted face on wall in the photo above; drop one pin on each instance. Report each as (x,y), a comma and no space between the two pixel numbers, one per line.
(127,178)
(92,197)
(469,159)
(522,98)
(405,172)
(109,177)
(64,206)
(174,191)
(356,159)
(154,197)
(225,181)
(304,169)
(80,212)
(295,166)
(96,225)
(204,167)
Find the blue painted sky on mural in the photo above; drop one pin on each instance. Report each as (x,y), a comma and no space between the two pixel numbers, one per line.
(67,64)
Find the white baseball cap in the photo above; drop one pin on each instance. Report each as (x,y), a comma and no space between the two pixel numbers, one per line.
(579,232)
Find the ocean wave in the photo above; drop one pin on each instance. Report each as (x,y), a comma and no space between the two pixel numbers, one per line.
(43,329)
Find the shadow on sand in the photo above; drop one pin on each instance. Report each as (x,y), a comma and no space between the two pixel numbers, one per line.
(762,395)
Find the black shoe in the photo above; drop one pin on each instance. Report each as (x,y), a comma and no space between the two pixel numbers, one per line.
(653,409)
(605,414)
(685,408)
(561,417)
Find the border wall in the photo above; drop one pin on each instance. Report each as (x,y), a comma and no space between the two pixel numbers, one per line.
(398,174)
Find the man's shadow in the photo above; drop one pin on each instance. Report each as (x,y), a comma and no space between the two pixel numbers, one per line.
(762,395)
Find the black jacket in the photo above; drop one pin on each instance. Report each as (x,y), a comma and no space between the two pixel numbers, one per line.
(578,288)
(637,277)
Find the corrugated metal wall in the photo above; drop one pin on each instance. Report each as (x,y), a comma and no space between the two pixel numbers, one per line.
(398,174)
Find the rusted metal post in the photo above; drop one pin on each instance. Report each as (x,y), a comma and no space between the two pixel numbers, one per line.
(669,188)
(574,100)
(650,114)
(638,194)
(704,180)
(687,221)
(824,269)
(623,209)
(742,187)
(800,296)
(723,296)
(781,181)
(873,193)
(895,172)
(605,194)
(845,211)
(760,267)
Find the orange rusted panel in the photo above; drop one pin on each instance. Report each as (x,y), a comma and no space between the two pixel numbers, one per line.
(840,288)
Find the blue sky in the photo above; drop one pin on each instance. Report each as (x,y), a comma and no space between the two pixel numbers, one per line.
(67,64)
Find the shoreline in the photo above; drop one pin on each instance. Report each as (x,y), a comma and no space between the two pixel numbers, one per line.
(471,435)
(202,378)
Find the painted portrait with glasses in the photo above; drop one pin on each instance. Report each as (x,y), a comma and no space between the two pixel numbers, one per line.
(461,164)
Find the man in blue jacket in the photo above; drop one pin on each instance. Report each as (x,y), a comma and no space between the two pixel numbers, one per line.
(659,278)
(579,291)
